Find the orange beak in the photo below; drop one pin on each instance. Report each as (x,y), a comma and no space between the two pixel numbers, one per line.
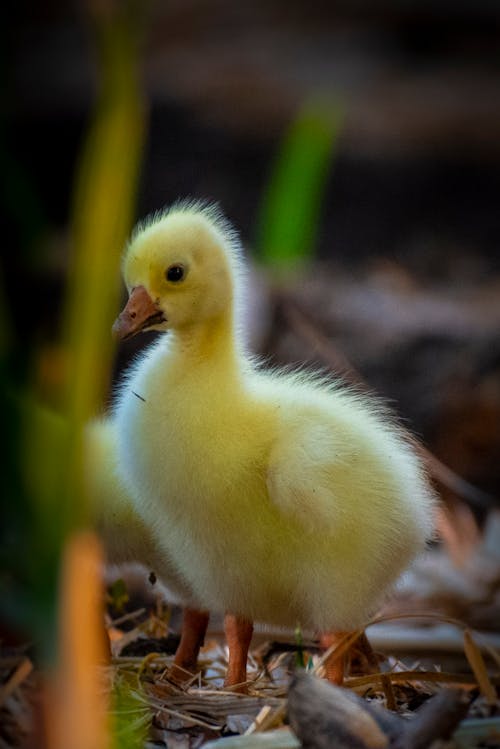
(139,313)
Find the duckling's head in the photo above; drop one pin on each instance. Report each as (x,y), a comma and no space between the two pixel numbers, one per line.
(180,267)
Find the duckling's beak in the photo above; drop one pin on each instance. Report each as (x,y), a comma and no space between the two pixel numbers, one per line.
(139,313)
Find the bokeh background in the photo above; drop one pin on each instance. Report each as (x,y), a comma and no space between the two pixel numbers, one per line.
(416,168)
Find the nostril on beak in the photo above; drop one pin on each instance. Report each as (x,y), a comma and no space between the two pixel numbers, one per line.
(133,315)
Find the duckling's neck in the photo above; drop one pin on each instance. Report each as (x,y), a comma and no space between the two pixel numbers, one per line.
(210,345)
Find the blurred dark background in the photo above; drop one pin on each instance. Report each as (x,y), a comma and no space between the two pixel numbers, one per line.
(418,162)
(410,220)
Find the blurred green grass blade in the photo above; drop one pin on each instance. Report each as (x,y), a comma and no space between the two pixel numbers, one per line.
(289,215)
(102,216)
(103,212)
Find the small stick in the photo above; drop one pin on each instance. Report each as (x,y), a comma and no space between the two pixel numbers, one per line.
(390,697)
(478,666)
(259,721)
(20,674)
(161,708)
(397,677)
(127,617)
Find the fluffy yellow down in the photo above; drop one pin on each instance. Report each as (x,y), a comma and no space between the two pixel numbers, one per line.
(279,497)
(125,536)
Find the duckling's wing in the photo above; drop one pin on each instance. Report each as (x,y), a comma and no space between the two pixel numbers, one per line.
(307,480)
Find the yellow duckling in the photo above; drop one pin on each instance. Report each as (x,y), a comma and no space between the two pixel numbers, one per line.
(127,538)
(282,497)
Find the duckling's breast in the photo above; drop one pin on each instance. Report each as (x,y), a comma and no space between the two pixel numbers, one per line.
(196,455)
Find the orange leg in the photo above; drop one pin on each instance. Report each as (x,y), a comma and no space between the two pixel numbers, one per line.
(336,666)
(363,656)
(238,636)
(194,627)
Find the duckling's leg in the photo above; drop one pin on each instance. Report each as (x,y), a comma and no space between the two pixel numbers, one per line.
(335,665)
(194,627)
(238,636)
(363,657)
(338,662)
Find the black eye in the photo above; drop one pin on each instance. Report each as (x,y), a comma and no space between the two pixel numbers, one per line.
(175,273)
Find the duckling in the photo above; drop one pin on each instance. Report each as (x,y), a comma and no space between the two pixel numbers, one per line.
(127,538)
(283,497)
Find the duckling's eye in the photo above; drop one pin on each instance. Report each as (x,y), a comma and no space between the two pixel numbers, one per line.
(175,273)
